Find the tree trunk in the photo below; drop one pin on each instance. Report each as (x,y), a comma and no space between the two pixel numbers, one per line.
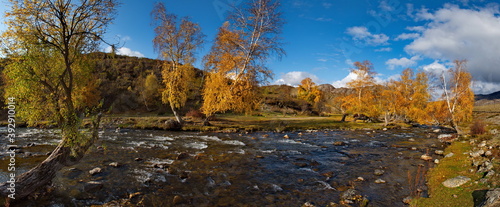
(343,117)
(41,175)
(177,115)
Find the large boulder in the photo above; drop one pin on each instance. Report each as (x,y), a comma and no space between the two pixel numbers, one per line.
(491,199)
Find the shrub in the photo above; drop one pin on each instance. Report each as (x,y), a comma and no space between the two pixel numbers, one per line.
(478,128)
(194,113)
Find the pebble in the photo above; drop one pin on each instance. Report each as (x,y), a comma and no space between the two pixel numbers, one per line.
(114,164)
(426,157)
(436,161)
(95,171)
(378,172)
(439,152)
(449,154)
(380,181)
(411,140)
(286,136)
(407,200)
(413,148)
(488,153)
(360,179)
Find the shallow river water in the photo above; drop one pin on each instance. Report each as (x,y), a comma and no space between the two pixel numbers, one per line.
(162,168)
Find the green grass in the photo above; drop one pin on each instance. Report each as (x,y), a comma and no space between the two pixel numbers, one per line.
(459,164)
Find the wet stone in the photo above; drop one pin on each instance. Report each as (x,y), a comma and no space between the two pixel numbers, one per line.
(114,164)
(378,172)
(379,181)
(95,171)
(92,186)
(182,156)
(439,152)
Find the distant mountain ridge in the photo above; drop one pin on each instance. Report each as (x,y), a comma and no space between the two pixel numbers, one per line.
(492,98)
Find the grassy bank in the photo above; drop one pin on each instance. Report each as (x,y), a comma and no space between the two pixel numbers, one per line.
(461,164)
(242,123)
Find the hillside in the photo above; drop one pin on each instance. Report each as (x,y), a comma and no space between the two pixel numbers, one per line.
(489,99)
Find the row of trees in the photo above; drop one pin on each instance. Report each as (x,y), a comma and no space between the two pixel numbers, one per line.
(235,65)
(407,99)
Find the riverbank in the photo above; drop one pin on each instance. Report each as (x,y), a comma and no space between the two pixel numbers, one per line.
(473,163)
(242,123)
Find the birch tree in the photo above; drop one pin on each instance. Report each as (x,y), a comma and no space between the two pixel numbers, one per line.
(176,43)
(236,64)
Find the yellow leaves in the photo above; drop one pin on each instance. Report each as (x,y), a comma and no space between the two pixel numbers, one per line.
(308,91)
(178,81)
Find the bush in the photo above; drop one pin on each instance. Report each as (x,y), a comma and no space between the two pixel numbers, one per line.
(194,113)
(478,128)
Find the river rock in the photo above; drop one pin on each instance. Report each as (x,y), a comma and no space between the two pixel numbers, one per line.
(436,161)
(492,198)
(439,152)
(92,186)
(339,143)
(177,200)
(477,153)
(286,136)
(456,181)
(426,157)
(349,194)
(378,181)
(307,204)
(114,164)
(95,171)
(482,144)
(449,155)
(488,153)
(182,156)
(172,125)
(378,172)
(407,200)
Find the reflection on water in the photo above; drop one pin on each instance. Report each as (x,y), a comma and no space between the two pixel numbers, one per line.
(161,168)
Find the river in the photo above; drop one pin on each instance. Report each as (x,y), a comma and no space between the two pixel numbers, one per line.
(163,168)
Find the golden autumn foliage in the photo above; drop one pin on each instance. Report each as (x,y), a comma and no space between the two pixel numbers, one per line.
(236,62)
(308,91)
(364,100)
(222,90)
(177,44)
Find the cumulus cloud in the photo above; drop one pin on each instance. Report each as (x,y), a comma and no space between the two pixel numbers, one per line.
(343,83)
(293,78)
(454,33)
(362,34)
(402,62)
(125,51)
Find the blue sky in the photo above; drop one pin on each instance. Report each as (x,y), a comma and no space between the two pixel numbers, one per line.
(323,37)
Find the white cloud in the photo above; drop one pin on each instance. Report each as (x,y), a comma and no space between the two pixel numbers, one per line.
(385,6)
(362,34)
(435,68)
(384,49)
(481,87)
(322,60)
(125,51)
(293,78)
(343,83)
(402,62)
(407,36)
(453,33)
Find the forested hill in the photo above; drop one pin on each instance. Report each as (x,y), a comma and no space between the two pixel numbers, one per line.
(125,88)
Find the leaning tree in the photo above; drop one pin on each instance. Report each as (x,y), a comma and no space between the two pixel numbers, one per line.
(51,78)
